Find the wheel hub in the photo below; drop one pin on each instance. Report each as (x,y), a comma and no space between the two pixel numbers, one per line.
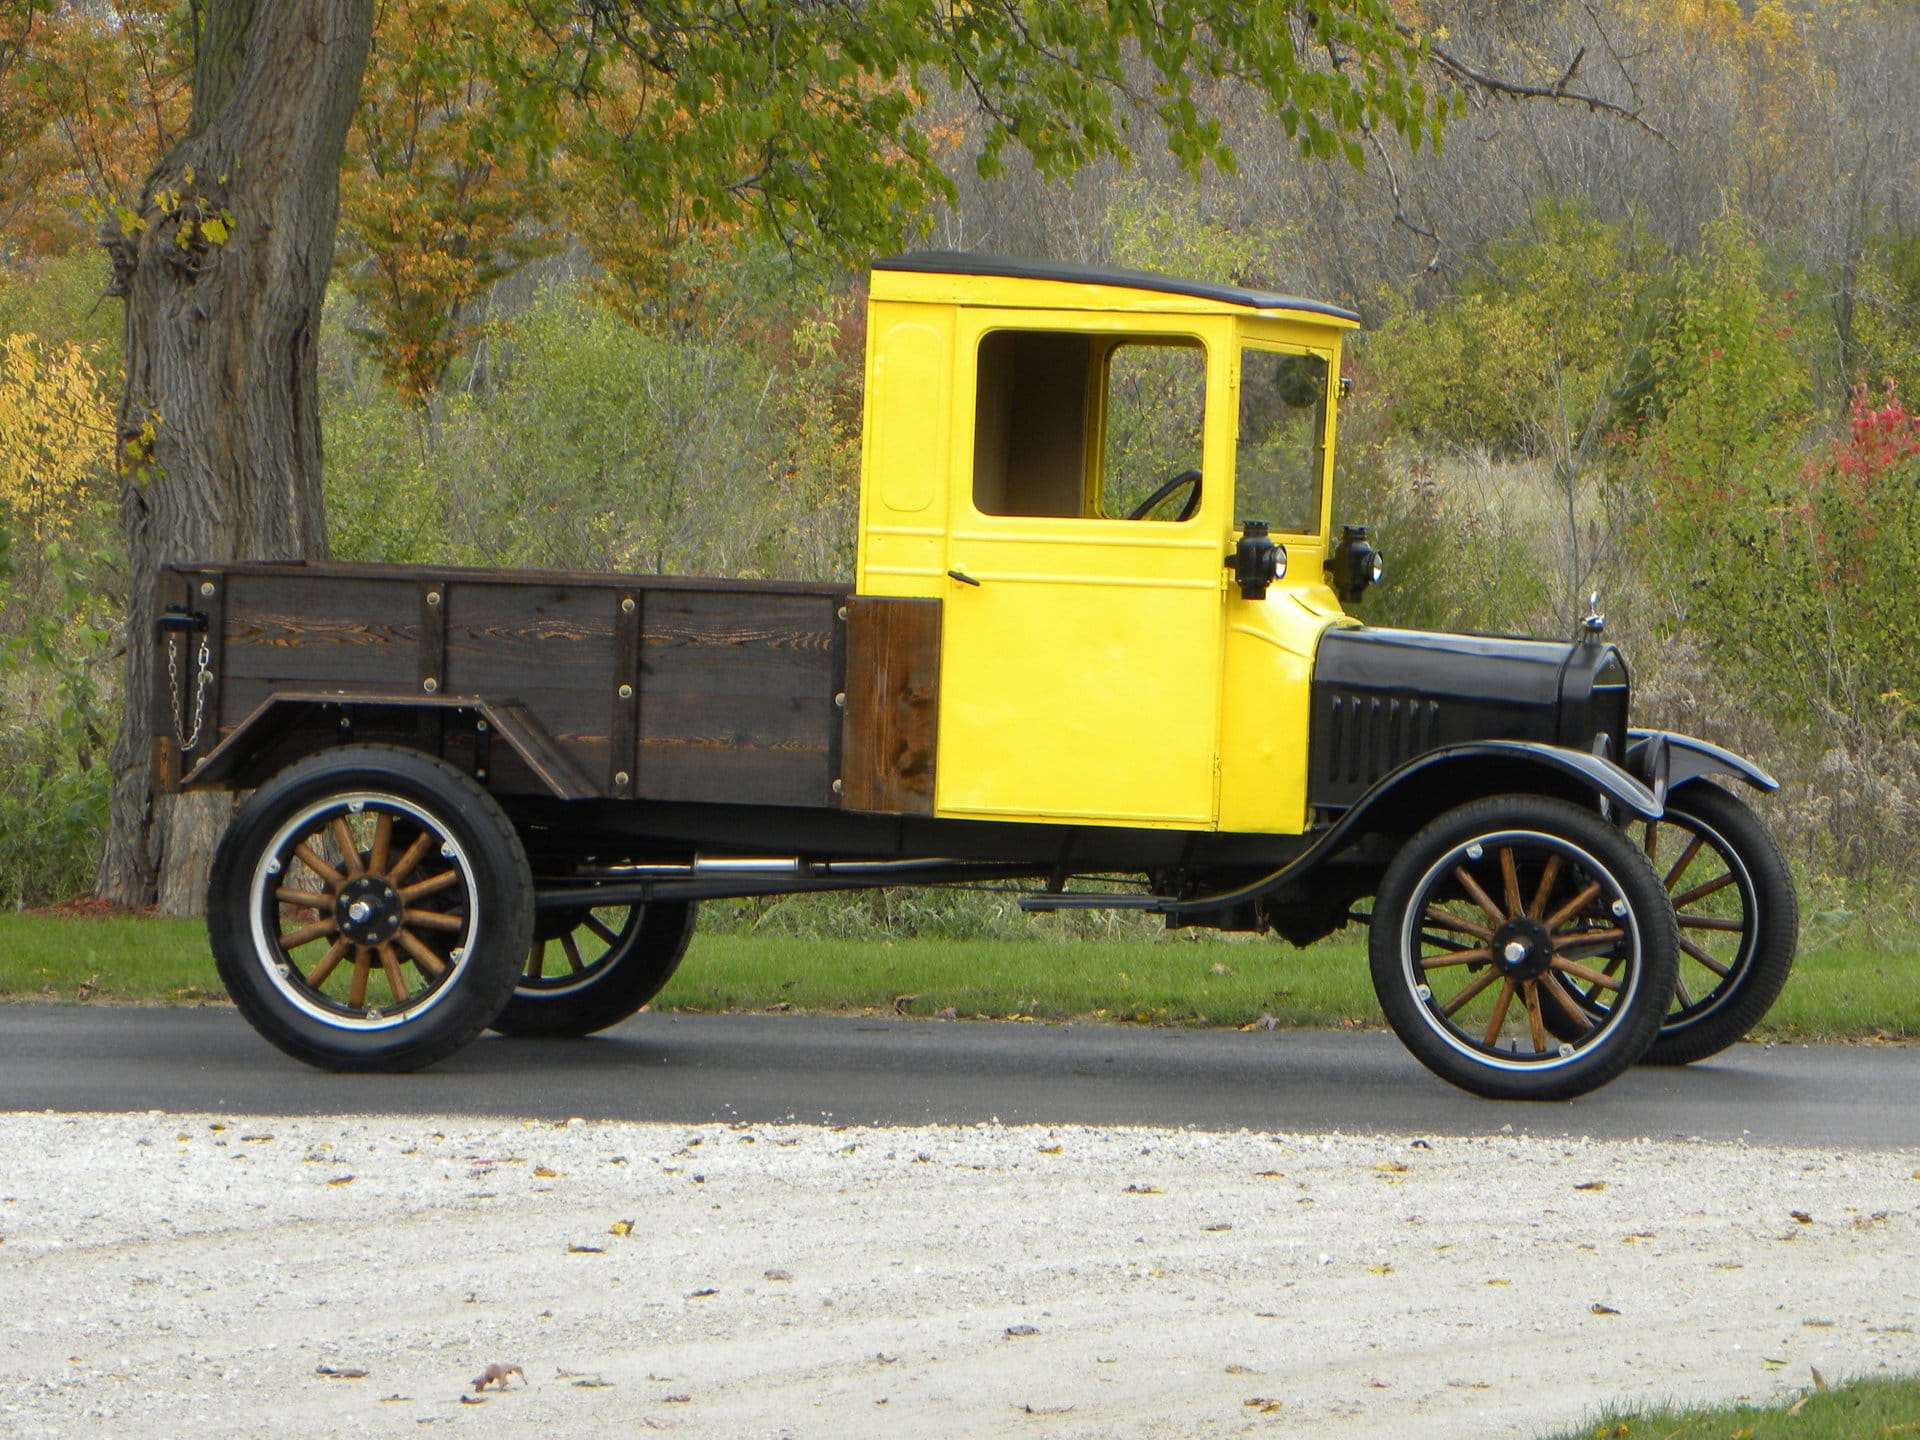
(369,910)
(1522,948)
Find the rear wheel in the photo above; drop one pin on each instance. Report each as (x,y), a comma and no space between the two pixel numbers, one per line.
(369,909)
(1509,909)
(1739,919)
(589,969)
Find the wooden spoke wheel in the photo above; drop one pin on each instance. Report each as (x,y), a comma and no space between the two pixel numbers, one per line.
(1506,912)
(589,969)
(369,909)
(1739,919)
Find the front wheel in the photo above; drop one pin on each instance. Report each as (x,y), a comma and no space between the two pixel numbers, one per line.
(589,969)
(1739,919)
(370,909)
(1507,910)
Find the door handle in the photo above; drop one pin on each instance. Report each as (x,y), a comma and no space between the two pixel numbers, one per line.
(963,577)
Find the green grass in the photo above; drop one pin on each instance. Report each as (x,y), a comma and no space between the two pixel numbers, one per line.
(1858,1410)
(1844,992)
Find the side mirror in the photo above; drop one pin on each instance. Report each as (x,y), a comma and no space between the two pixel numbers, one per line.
(1257,560)
(1355,564)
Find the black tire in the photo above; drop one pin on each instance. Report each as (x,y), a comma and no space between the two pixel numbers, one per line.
(1562,895)
(419,958)
(617,959)
(1739,919)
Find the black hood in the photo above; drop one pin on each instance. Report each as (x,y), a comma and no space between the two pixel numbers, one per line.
(1382,697)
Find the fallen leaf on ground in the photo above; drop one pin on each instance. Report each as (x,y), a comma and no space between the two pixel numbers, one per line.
(1599,1309)
(1238,1369)
(1802,1216)
(543,1173)
(343,1372)
(1591,1185)
(1216,1229)
(1263,1405)
(622,1228)
(497,1374)
(592,1382)
(1391,1167)
(702,1293)
(1144,1190)
(1016,1331)
(1050,1149)
(585,1250)
(473,1399)
(777,1275)
(1042,1409)
(341,1180)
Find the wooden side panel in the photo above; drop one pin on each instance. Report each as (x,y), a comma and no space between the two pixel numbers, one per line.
(736,697)
(550,646)
(893,695)
(316,632)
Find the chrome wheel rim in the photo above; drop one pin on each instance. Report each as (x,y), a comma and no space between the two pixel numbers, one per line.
(1503,926)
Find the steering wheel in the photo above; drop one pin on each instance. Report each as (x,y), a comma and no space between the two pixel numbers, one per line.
(1147,506)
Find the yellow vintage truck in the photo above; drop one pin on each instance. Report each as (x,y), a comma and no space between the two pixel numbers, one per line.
(1096,647)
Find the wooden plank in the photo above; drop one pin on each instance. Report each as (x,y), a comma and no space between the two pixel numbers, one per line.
(737,697)
(893,688)
(305,570)
(290,629)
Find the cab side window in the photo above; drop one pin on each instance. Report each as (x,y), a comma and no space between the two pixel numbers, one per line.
(1085,427)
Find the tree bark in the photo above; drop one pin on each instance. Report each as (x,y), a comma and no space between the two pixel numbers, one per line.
(223,276)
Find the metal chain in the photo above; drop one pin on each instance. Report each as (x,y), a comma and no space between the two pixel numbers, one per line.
(203,673)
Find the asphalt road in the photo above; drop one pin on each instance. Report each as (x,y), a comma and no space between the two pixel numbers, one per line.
(816,1070)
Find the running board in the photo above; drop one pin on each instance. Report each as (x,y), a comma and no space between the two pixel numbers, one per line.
(1044,904)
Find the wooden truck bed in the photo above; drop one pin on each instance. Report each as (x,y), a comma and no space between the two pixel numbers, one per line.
(601,686)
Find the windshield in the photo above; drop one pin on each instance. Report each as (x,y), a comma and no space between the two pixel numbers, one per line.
(1281,451)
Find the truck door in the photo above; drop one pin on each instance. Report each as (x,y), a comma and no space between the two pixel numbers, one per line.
(1081,635)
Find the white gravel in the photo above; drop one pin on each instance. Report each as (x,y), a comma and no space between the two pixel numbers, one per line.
(182,1275)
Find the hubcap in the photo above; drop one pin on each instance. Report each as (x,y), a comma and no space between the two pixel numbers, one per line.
(1524,948)
(368,909)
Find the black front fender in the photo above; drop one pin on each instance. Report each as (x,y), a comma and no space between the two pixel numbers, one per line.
(1492,767)
(1661,761)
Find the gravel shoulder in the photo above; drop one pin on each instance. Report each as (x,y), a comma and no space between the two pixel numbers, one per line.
(193,1275)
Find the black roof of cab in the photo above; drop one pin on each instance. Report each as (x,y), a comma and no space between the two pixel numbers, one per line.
(963,262)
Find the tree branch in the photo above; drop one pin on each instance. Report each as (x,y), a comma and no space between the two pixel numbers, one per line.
(1474,78)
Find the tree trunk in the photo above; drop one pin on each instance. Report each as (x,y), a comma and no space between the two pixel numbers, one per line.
(223,276)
